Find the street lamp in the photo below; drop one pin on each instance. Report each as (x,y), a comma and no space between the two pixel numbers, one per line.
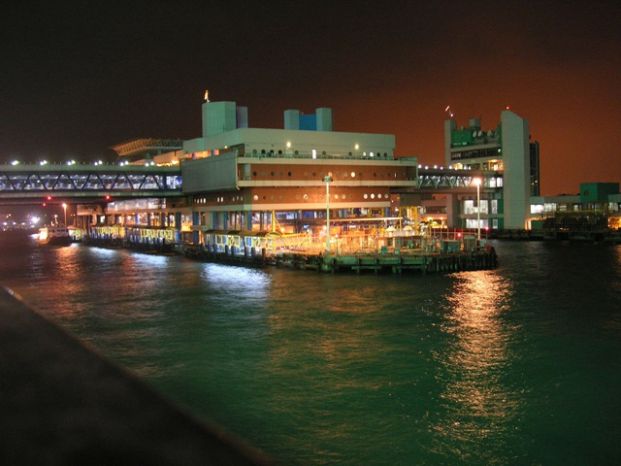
(477,183)
(65,210)
(327,180)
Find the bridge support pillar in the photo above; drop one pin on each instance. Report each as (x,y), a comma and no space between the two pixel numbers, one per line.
(452,211)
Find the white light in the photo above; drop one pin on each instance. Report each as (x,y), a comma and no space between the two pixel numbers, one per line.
(356,146)
(426,167)
(371,154)
(288,144)
(314,152)
(420,166)
(43,162)
(435,167)
(441,168)
(15,162)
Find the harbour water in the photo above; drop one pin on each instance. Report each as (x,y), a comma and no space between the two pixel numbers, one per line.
(517,365)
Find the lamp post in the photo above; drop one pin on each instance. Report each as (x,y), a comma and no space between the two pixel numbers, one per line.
(477,183)
(65,210)
(327,180)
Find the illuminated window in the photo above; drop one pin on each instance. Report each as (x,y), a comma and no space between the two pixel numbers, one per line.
(365,195)
(469,207)
(255,197)
(353,174)
(536,209)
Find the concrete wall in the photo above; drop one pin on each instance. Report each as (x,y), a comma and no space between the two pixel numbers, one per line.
(292,119)
(210,174)
(218,117)
(516,157)
(324,119)
(449,125)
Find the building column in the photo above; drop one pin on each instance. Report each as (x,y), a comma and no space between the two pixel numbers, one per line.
(196,220)
(452,211)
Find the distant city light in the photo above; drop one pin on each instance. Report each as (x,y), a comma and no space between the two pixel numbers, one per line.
(43,162)
(15,162)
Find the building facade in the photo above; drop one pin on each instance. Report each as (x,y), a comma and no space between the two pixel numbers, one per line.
(506,149)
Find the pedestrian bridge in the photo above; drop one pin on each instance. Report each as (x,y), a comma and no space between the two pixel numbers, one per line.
(448,180)
(28,182)
(88,181)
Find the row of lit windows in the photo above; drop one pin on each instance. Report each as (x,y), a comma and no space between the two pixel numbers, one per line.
(305,197)
(271,153)
(343,174)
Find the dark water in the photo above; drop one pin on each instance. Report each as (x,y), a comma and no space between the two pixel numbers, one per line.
(520,365)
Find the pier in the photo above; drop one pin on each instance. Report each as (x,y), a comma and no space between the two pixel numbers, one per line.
(383,251)
(359,263)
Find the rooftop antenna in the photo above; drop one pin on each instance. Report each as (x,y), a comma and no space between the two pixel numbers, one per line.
(206,97)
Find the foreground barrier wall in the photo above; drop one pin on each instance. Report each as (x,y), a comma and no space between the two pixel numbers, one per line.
(61,403)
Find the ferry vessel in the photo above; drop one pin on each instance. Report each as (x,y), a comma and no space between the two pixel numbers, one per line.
(53,236)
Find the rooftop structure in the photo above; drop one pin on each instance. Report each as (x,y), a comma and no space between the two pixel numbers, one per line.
(146,149)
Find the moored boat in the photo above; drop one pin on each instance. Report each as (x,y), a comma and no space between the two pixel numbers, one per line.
(53,236)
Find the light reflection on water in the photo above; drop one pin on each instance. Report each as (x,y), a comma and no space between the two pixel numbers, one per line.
(237,282)
(477,402)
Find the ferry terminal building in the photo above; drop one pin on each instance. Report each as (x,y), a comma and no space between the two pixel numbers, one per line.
(236,177)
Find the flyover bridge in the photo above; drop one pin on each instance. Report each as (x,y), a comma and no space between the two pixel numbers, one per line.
(28,183)
(448,180)
(33,182)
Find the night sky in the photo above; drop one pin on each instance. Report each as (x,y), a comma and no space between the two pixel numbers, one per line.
(79,77)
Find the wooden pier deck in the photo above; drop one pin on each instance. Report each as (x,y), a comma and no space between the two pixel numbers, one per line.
(359,263)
